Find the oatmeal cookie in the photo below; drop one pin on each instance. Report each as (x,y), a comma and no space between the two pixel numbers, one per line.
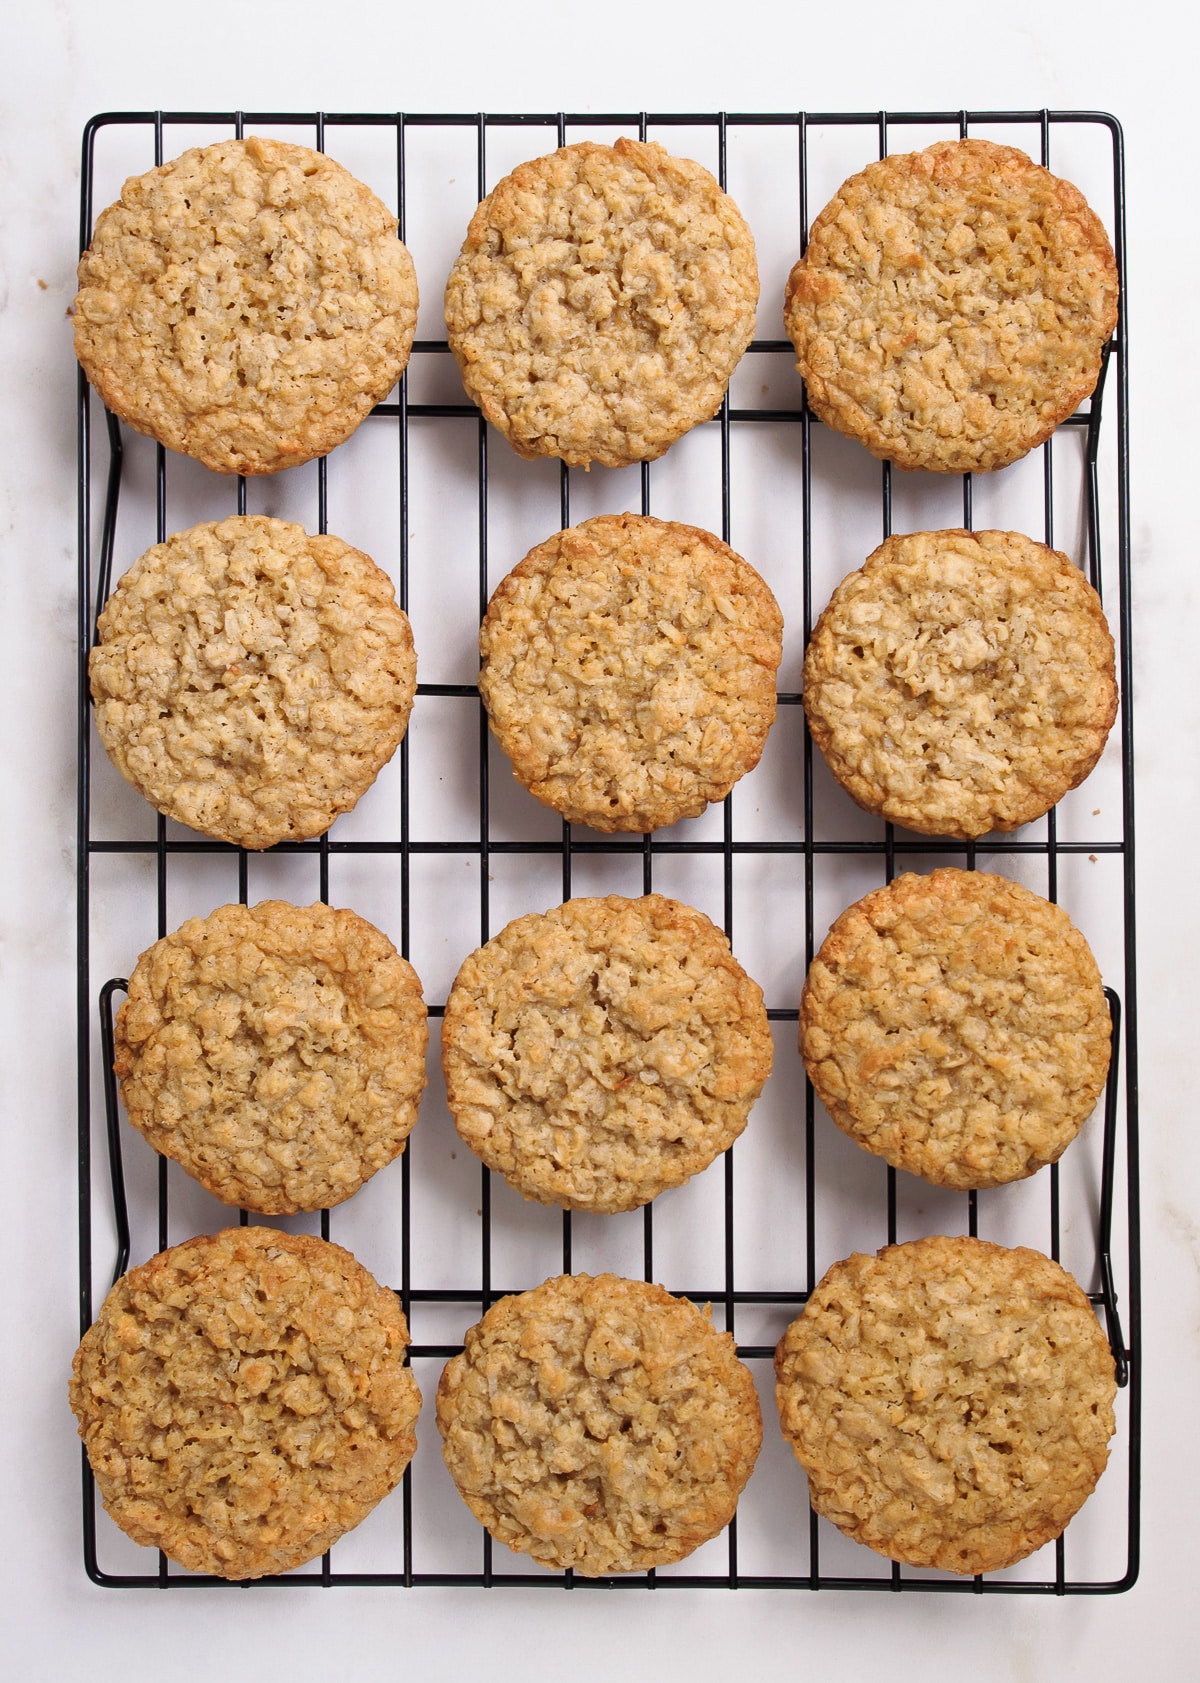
(629,671)
(955,1024)
(250,680)
(606,1050)
(244,1401)
(600,1424)
(247,304)
(950,1401)
(952,305)
(601,300)
(961,682)
(276,1052)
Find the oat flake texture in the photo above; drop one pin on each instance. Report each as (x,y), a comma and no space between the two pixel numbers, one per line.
(961,682)
(951,306)
(600,1424)
(244,1401)
(628,670)
(601,300)
(247,303)
(951,1401)
(601,1052)
(955,1024)
(276,1052)
(251,679)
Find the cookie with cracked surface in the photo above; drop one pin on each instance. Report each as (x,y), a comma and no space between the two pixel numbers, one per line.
(601,300)
(247,304)
(628,670)
(251,680)
(955,1024)
(952,305)
(276,1052)
(244,1401)
(950,1400)
(600,1424)
(961,682)
(606,1050)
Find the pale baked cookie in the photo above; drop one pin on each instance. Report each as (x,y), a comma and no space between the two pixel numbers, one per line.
(250,680)
(276,1052)
(961,682)
(601,300)
(952,305)
(601,1052)
(247,304)
(600,1424)
(244,1400)
(629,670)
(951,1401)
(955,1024)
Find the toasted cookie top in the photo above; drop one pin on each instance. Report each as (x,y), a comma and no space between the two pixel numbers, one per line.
(247,303)
(955,1024)
(601,1052)
(601,300)
(950,1401)
(277,1052)
(244,1401)
(961,682)
(629,670)
(951,306)
(600,1424)
(251,679)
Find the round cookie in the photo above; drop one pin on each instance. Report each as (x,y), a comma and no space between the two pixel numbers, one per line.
(951,306)
(961,682)
(950,1401)
(601,1052)
(276,1052)
(601,300)
(628,670)
(250,680)
(599,1424)
(247,303)
(955,1024)
(244,1401)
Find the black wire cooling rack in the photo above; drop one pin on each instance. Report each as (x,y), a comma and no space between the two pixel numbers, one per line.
(774,863)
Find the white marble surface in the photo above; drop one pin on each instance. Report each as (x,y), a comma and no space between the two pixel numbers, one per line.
(67,61)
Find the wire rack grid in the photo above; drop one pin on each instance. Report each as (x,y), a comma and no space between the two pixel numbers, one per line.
(444,850)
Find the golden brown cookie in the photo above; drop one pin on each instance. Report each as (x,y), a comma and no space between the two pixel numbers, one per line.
(606,1050)
(244,1400)
(599,1424)
(629,670)
(276,1052)
(950,1401)
(961,682)
(952,305)
(250,680)
(247,303)
(601,300)
(955,1024)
